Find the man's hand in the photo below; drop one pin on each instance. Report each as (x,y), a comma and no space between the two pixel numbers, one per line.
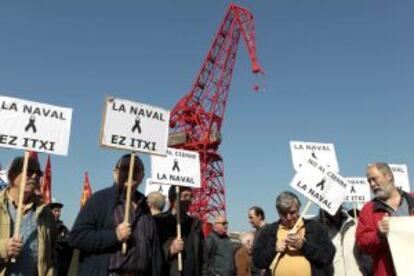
(13,247)
(123,231)
(384,225)
(294,241)
(176,246)
(281,245)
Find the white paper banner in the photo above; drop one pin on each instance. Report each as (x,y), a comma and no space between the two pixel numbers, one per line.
(321,185)
(135,126)
(179,167)
(34,126)
(401,241)
(324,153)
(358,190)
(401,179)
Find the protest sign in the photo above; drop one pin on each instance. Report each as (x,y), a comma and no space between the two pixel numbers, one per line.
(401,179)
(154,187)
(29,125)
(358,190)
(324,153)
(134,126)
(401,241)
(179,167)
(3,179)
(320,185)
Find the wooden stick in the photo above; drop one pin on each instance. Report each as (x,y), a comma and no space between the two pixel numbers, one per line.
(177,207)
(293,230)
(21,197)
(128,196)
(349,216)
(355,212)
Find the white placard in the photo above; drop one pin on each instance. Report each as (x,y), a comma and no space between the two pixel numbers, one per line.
(321,185)
(401,241)
(154,187)
(358,190)
(135,126)
(3,178)
(323,152)
(34,126)
(401,179)
(179,167)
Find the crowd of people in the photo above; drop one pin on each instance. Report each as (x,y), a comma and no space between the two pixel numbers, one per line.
(154,242)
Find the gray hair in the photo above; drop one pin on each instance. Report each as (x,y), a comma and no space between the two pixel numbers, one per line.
(285,201)
(383,168)
(157,200)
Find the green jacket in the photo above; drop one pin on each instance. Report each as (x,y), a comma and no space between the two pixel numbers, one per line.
(46,234)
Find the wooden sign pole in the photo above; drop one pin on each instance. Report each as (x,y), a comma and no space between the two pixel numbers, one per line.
(293,230)
(177,207)
(128,196)
(21,197)
(355,211)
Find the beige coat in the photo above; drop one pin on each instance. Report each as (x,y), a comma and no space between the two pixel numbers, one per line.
(45,233)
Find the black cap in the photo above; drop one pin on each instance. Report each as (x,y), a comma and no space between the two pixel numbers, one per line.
(54,205)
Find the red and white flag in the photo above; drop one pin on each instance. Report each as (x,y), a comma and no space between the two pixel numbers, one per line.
(47,182)
(87,191)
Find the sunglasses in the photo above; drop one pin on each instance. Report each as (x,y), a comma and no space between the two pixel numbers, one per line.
(222,222)
(31,172)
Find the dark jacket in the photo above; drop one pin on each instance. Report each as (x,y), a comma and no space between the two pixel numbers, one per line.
(370,241)
(317,247)
(94,234)
(192,234)
(64,251)
(220,254)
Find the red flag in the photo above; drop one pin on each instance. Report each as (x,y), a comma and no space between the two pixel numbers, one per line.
(47,182)
(87,191)
(33,155)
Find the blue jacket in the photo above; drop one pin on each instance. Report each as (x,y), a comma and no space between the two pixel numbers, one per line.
(94,234)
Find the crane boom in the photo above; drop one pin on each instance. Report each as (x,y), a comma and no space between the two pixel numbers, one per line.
(196,120)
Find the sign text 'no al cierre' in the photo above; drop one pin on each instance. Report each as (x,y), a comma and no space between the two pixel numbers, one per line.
(323,152)
(134,126)
(321,185)
(29,125)
(179,167)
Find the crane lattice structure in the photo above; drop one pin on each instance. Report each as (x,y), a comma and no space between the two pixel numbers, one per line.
(196,120)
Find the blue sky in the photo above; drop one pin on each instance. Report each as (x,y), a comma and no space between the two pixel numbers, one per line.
(336,71)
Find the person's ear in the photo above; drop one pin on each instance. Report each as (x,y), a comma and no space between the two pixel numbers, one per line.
(115,174)
(388,176)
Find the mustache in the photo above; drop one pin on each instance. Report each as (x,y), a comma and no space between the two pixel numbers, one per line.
(32,182)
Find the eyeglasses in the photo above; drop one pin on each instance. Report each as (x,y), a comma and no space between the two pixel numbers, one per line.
(224,223)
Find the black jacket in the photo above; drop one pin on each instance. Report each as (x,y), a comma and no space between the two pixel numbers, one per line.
(192,234)
(317,248)
(94,234)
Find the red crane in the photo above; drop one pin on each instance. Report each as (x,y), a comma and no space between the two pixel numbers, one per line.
(196,120)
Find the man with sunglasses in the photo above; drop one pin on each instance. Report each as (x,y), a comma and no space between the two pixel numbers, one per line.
(100,230)
(33,252)
(191,245)
(220,249)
